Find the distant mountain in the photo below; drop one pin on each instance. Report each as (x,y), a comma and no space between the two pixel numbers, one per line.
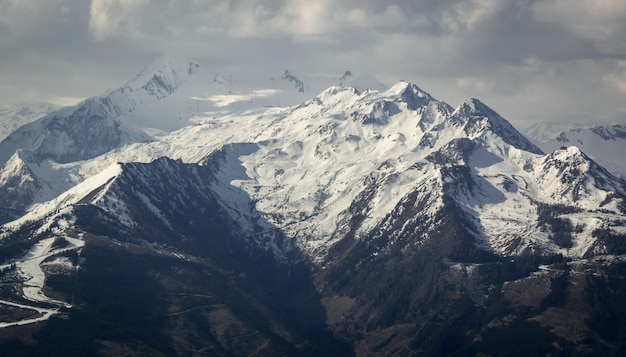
(99,124)
(604,143)
(359,221)
(14,116)
(167,95)
(163,97)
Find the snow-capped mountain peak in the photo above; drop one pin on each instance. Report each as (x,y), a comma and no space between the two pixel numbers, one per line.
(164,75)
(337,95)
(475,117)
(104,122)
(566,176)
(372,152)
(409,93)
(356,197)
(17,181)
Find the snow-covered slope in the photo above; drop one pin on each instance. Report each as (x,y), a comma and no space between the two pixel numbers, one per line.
(101,123)
(374,165)
(167,95)
(398,200)
(606,144)
(26,179)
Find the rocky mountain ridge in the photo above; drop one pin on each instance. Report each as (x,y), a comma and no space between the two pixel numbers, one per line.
(385,212)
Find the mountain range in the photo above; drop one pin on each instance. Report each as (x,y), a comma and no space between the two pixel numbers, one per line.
(604,143)
(356,219)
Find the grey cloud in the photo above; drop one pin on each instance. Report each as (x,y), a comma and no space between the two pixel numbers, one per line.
(504,51)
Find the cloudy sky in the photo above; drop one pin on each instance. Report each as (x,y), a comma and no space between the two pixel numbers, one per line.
(530,60)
